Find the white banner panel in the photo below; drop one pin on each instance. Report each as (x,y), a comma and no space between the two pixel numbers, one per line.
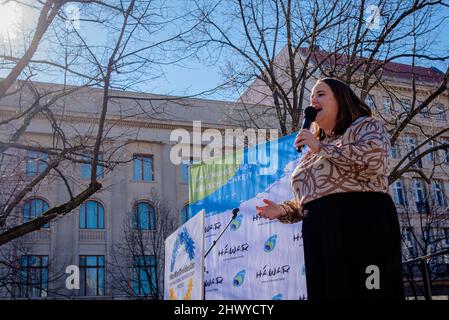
(255,258)
(184,261)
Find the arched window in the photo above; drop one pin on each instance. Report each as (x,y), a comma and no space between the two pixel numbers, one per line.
(143,216)
(33,208)
(185,213)
(91,215)
(399,194)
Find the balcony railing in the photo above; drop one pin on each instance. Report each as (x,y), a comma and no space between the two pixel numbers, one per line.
(92,235)
(422,264)
(39,235)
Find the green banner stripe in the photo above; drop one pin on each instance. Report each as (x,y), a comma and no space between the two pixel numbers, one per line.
(209,176)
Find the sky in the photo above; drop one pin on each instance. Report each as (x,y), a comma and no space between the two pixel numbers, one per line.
(195,77)
(199,77)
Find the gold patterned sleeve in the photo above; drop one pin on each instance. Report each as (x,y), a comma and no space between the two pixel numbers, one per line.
(365,146)
(291,212)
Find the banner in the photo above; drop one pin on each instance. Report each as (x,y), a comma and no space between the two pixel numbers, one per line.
(255,258)
(184,261)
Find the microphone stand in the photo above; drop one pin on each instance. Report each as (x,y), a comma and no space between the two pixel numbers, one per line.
(234,215)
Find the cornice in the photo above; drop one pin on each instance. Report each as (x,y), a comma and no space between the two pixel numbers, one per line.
(132,122)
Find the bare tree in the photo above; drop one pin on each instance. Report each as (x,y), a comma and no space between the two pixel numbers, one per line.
(137,41)
(137,261)
(24,275)
(269,38)
(425,232)
(283,45)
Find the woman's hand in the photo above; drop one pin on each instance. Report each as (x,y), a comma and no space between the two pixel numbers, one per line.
(271,211)
(305,137)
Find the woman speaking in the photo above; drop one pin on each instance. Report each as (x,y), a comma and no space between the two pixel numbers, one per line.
(350,227)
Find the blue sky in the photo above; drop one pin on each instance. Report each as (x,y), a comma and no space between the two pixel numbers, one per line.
(199,76)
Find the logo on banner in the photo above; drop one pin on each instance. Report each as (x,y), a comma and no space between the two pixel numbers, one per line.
(184,266)
(277,297)
(231,250)
(213,282)
(297,237)
(239,278)
(270,272)
(270,243)
(235,225)
(212,227)
(188,294)
(183,239)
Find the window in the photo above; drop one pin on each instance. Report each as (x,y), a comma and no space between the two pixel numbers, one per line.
(446,237)
(86,168)
(433,235)
(432,155)
(425,112)
(446,152)
(34,276)
(394,152)
(438,194)
(431,238)
(34,208)
(410,242)
(411,145)
(388,106)
(143,216)
(185,164)
(440,112)
(419,196)
(185,213)
(440,266)
(184,172)
(405,103)
(143,168)
(144,275)
(91,215)
(398,193)
(36,163)
(92,275)
(369,100)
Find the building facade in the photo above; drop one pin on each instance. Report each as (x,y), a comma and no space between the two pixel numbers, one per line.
(114,239)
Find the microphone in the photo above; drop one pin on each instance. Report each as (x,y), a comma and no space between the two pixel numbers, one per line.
(234,212)
(309,117)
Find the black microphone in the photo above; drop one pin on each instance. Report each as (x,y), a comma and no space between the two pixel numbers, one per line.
(309,117)
(234,212)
